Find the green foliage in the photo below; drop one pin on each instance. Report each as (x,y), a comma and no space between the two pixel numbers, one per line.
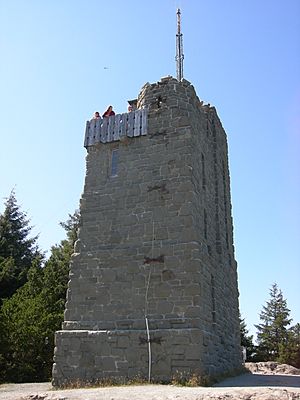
(17,250)
(56,271)
(247,340)
(290,353)
(27,324)
(29,319)
(272,333)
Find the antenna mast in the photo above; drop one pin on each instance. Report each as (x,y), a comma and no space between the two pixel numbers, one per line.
(179,48)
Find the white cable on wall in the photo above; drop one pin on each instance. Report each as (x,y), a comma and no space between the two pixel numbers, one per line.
(146,310)
(149,350)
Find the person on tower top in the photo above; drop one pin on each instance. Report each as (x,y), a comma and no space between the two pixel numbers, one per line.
(96,115)
(109,112)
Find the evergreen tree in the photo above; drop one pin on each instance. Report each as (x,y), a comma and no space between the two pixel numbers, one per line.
(56,271)
(290,353)
(17,250)
(246,340)
(26,324)
(272,333)
(32,315)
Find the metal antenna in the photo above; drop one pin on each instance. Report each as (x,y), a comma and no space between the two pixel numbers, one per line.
(179,48)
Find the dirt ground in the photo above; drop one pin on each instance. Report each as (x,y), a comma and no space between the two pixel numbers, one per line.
(243,387)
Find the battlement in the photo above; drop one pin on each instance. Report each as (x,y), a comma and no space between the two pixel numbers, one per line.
(111,129)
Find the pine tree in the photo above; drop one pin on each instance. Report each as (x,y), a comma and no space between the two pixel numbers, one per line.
(25,322)
(272,333)
(56,271)
(290,353)
(29,319)
(17,250)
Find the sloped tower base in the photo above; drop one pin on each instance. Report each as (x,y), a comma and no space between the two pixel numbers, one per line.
(122,355)
(155,248)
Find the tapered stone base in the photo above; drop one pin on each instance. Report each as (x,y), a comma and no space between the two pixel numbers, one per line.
(95,356)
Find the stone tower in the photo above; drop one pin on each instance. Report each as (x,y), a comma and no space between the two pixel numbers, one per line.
(153,283)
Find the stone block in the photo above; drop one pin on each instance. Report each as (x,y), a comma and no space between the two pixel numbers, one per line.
(108,363)
(123,342)
(193,311)
(162,290)
(194,353)
(164,307)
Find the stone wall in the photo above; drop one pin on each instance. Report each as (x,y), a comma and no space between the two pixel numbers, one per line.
(155,240)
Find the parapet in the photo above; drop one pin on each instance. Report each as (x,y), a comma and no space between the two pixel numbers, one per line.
(111,129)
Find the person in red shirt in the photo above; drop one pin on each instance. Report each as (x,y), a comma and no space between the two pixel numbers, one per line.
(109,112)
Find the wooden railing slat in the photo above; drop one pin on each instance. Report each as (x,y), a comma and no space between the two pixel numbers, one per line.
(130,124)
(111,125)
(137,123)
(104,130)
(86,136)
(123,125)
(98,130)
(117,127)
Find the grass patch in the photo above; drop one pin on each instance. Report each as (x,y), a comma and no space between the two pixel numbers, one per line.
(197,379)
(181,378)
(98,383)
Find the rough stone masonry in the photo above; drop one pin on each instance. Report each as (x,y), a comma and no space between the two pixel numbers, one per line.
(155,241)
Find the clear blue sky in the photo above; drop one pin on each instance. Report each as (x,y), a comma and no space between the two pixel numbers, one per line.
(61,60)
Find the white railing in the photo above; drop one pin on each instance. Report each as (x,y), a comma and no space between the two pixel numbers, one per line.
(104,130)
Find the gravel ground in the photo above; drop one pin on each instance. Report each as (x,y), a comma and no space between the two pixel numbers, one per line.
(243,387)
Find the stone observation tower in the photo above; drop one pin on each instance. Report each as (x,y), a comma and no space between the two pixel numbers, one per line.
(153,282)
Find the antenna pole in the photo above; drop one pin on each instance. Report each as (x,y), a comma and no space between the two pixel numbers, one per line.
(179,48)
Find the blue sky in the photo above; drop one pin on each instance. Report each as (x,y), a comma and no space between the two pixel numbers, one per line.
(61,60)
